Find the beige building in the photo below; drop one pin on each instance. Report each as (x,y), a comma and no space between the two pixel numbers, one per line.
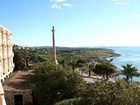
(6,53)
(6,58)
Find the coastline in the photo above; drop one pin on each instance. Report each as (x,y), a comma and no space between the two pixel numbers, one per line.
(128,55)
(116,55)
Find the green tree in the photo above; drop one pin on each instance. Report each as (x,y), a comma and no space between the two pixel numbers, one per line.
(129,71)
(106,93)
(105,69)
(77,63)
(91,68)
(53,83)
(63,62)
(72,64)
(80,63)
(19,60)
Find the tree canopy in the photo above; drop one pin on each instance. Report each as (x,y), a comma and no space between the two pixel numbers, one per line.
(105,69)
(129,71)
(74,57)
(19,60)
(106,93)
(53,83)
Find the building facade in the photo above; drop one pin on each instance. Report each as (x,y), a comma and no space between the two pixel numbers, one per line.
(6,59)
(6,53)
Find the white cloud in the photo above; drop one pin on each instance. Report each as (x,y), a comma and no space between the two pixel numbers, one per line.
(120,2)
(58,0)
(56,6)
(59,4)
(67,4)
(137,15)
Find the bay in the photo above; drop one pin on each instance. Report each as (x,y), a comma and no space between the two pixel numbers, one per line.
(129,55)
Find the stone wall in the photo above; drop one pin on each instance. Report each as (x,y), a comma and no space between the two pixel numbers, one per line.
(26,94)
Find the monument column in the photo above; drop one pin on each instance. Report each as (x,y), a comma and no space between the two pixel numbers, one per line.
(54,48)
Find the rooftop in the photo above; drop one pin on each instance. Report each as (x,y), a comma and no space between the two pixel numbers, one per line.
(5,29)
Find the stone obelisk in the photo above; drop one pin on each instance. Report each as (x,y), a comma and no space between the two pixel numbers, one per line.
(54,47)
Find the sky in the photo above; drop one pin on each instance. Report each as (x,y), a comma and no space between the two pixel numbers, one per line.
(78,23)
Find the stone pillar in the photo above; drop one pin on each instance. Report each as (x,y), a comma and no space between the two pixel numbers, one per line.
(3,56)
(4,53)
(1,68)
(10,53)
(54,48)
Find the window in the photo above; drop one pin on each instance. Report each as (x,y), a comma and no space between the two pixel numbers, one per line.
(18,99)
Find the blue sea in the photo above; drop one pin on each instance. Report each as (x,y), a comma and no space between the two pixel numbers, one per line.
(129,55)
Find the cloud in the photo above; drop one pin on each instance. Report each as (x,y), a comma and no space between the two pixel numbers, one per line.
(59,4)
(67,4)
(136,15)
(120,2)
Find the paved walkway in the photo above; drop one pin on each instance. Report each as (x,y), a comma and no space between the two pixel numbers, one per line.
(92,79)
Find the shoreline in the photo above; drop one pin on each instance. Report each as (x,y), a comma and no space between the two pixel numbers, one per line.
(128,55)
(116,55)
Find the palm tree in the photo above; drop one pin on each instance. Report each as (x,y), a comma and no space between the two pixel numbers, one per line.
(129,71)
(105,69)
